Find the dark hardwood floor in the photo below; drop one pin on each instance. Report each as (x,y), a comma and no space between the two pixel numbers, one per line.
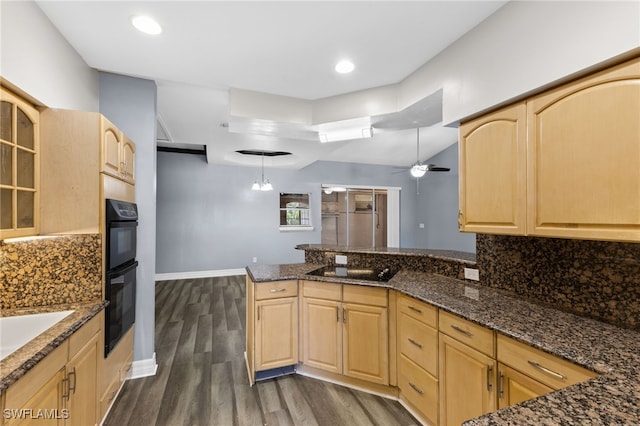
(202,378)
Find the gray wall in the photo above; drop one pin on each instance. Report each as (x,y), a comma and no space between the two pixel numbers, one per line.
(130,103)
(208,218)
(437,207)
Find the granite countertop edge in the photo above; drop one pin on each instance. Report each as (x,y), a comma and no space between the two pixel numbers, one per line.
(17,364)
(448,255)
(613,397)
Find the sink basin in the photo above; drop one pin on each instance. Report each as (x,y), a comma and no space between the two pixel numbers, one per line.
(17,331)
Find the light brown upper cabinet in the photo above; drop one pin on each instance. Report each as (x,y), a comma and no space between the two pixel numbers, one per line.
(574,174)
(19,171)
(492,172)
(118,152)
(83,158)
(584,157)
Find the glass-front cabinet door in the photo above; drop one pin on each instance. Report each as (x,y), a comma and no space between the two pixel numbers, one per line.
(18,166)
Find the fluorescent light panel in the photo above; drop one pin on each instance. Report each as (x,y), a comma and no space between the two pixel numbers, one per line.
(346,134)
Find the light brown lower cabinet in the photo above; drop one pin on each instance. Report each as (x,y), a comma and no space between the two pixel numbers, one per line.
(272,325)
(447,369)
(418,388)
(276,333)
(467,382)
(82,373)
(526,372)
(417,341)
(322,334)
(515,387)
(61,389)
(365,348)
(345,330)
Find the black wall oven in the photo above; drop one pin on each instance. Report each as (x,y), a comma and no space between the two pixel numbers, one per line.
(120,276)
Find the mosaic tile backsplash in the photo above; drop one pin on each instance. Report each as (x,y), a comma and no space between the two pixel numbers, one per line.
(597,279)
(50,271)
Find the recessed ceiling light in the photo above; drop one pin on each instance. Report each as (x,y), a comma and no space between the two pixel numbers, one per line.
(345,67)
(146,24)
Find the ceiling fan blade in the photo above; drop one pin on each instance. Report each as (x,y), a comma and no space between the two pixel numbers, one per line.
(434,168)
(401,171)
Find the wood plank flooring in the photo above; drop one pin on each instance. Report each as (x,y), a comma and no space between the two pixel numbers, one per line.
(202,378)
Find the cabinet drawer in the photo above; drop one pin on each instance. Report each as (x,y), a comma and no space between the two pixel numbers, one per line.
(546,368)
(418,342)
(376,296)
(85,333)
(112,365)
(108,397)
(421,311)
(467,332)
(276,289)
(418,388)
(322,290)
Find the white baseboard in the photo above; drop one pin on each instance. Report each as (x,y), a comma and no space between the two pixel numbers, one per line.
(143,368)
(200,274)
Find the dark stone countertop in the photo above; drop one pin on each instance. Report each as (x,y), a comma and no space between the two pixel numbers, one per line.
(613,352)
(451,255)
(17,364)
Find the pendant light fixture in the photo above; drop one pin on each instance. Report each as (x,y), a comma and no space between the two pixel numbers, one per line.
(264,184)
(418,169)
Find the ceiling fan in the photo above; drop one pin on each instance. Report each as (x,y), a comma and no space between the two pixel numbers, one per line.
(418,169)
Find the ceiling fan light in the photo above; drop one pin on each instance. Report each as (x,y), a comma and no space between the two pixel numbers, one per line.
(418,170)
(266,186)
(255,186)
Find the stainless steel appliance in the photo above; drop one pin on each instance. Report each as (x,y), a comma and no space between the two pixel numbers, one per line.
(120,276)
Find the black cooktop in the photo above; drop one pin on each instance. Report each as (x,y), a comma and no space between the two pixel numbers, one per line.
(368,274)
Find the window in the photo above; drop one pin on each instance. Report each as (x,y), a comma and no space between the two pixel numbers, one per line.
(295,214)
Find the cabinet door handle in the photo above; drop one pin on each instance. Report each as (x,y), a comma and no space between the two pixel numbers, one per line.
(344,315)
(66,391)
(259,312)
(500,384)
(413,308)
(462,330)
(546,370)
(338,313)
(460,217)
(72,387)
(415,388)
(414,342)
(489,371)
(278,290)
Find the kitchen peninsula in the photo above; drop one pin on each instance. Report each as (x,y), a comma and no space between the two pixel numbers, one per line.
(610,353)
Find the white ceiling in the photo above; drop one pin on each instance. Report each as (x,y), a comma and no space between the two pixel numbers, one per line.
(286,48)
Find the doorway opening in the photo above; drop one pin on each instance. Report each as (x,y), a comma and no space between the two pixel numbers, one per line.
(355,216)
